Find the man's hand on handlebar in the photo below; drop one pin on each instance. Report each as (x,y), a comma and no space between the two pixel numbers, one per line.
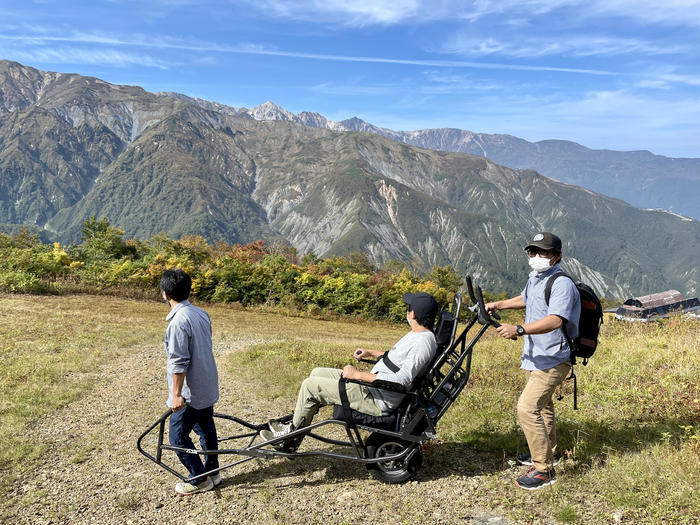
(491,307)
(507,331)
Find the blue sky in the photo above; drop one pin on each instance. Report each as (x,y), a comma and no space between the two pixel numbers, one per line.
(617,74)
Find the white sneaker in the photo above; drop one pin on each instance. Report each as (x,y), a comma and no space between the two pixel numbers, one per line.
(278,426)
(216,479)
(277,430)
(188,489)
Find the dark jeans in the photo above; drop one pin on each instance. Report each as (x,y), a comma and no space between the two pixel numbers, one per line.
(201,421)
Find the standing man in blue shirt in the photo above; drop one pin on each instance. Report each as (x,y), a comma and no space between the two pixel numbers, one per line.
(546,354)
(193,381)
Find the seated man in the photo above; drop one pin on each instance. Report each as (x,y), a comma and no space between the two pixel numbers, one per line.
(405,361)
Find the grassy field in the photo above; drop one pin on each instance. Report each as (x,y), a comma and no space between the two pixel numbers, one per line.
(632,450)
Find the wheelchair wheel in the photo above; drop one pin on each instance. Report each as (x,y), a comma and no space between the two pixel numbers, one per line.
(393,471)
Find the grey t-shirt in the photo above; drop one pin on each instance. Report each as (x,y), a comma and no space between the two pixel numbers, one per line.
(189,350)
(411,354)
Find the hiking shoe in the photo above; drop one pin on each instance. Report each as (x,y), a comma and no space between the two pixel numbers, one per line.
(526,459)
(534,479)
(216,479)
(188,489)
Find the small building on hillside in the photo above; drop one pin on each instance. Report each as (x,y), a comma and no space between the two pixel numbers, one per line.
(656,306)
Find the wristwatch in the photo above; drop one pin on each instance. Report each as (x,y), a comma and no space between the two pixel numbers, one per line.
(519,330)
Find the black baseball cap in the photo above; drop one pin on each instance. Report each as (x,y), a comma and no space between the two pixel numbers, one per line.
(545,241)
(422,303)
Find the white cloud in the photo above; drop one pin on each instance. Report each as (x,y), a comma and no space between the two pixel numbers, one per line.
(344,12)
(574,46)
(354,89)
(388,12)
(256,49)
(73,55)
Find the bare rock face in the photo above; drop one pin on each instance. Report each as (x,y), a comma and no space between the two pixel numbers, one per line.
(638,177)
(72,147)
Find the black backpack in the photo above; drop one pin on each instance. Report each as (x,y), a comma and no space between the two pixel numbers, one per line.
(589,323)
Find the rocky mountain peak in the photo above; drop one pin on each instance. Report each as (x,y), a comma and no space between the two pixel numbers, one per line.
(271,111)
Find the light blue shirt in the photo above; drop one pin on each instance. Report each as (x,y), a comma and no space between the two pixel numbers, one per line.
(411,354)
(189,350)
(544,351)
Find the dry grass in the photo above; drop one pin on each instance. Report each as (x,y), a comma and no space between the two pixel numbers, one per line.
(631,450)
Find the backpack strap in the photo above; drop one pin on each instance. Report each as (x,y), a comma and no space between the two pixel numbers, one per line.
(550,283)
(547,295)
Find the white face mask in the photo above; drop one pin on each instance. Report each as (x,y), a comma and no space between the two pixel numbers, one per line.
(539,264)
(408,319)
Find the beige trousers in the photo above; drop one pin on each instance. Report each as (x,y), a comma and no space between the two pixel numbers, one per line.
(321,388)
(536,414)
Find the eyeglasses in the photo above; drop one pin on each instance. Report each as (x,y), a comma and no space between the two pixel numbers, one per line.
(531,252)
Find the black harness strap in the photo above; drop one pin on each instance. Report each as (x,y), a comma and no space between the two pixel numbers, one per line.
(345,402)
(389,363)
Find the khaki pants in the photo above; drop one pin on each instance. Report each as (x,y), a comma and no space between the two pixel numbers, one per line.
(536,414)
(321,388)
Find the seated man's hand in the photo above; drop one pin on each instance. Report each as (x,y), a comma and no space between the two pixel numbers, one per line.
(360,353)
(350,372)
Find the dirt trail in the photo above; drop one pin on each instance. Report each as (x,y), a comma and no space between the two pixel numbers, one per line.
(94,473)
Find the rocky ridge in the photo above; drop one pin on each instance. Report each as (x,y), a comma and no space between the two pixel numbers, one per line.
(72,147)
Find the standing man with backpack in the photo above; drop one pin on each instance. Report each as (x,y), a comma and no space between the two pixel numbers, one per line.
(546,356)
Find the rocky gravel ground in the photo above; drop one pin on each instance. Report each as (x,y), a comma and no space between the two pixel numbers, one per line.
(92,472)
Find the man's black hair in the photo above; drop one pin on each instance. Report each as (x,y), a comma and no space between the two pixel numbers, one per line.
(426,321)
(176,284)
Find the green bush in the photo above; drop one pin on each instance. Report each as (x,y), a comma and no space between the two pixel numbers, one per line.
(252,274)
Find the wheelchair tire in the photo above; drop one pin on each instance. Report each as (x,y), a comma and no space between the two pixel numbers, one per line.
(379,445)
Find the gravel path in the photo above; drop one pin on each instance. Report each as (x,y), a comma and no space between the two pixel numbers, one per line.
(94,473)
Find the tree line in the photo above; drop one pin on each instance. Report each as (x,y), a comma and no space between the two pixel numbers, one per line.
(252,274)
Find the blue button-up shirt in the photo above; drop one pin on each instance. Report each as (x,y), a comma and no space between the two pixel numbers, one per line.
(189,350)
(544,351)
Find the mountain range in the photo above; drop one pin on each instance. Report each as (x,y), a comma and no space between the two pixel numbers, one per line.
(74,146)
(640,178)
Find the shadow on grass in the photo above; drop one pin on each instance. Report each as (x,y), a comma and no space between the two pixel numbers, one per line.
(478,453)
(585,442)
(441,459)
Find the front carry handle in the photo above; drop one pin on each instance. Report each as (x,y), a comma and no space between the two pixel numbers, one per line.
(475,301)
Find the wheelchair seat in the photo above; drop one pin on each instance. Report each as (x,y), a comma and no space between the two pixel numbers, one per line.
(388,422)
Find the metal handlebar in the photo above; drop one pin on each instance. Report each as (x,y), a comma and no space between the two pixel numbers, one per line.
(483,314)
(470,289)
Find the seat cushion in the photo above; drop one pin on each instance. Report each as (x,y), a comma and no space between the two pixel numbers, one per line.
(360,418)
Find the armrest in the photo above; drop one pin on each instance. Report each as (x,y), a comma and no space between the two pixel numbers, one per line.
(379,384)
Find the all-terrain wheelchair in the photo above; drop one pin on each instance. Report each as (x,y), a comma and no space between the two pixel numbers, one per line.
(390,447)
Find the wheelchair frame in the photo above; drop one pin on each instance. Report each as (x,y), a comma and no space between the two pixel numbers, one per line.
(392,455)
